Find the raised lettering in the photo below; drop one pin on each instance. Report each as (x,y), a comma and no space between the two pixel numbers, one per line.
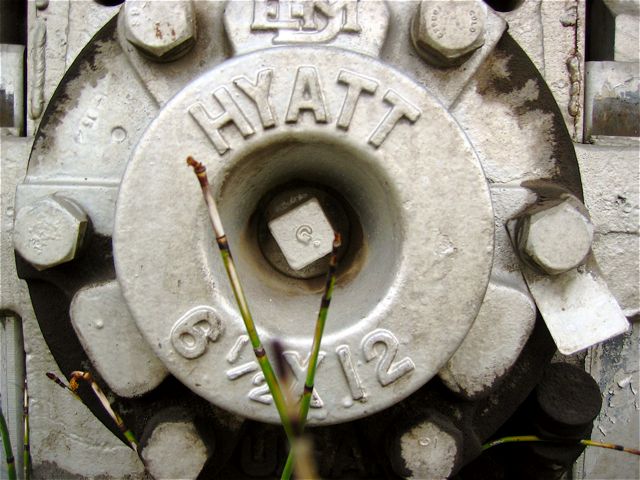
(400,108)
(345,10)
(235,351)
(211,125)
(268,15)
(307,94)
(299,369)
(296,22)
(258,92)
(350,373)
(387,371)
(194,330)
(237,372)
(357,84)
(261,392)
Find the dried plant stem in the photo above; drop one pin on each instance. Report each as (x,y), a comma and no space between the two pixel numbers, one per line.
(533,438)
(53,377)
(86,377)
(315,351)
(258,349)
(305,465)
(8,451)
(611,446)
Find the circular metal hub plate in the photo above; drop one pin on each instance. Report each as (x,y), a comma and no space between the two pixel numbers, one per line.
(408,289)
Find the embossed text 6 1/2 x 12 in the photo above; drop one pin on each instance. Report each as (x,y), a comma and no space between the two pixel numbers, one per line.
(388,368)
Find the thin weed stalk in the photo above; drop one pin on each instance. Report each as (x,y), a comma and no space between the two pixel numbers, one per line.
(319,330)
(315,351)
(533,438)
(225,252)
(73,386)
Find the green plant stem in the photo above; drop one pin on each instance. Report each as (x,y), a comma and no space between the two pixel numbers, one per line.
(229,265)
(315,350)
(8,451)
(26,451)
(533,438)
(516,439)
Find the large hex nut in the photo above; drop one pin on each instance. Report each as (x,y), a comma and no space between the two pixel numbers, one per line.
(446,33)
(173,447)
(50,231)
(430,448)
(556,237)
(161,30)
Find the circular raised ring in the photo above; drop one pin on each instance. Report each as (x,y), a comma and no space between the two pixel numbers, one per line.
(409,288)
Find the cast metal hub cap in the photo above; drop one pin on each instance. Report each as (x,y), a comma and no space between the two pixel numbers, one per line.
(413,196)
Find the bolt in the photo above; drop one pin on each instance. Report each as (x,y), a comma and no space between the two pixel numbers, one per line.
(161,30)
(50,231)
(556,237)
(175,449)
(446,33)
(427,449)
(303,234)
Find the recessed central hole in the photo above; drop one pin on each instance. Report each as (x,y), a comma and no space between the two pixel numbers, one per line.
(296,223)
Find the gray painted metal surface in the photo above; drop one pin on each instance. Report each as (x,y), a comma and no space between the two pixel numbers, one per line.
(509,151)
(112,341)
(482,360)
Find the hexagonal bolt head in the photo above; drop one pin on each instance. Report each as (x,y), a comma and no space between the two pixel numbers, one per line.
(175,449)
(556,237)
(446,33)
(161,30)
(428,449)
(304,234)
(50,231)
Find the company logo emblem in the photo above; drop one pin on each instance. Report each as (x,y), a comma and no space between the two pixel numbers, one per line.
(305,21)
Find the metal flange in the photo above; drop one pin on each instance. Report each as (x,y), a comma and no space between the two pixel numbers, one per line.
(407,291)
